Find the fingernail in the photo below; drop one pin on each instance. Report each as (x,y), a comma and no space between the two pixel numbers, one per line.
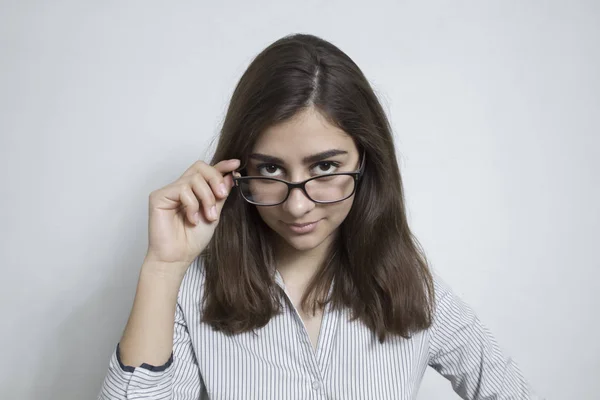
(196,218)
(213,212)
(222,189)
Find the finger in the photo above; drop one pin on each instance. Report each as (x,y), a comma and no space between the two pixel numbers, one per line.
(220,185)
(223,167)
(166,198)
(205,195)
(190,203)
(228,179)
(227,166)
(214,176)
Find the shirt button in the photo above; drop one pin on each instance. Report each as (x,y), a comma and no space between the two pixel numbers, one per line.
(316,385)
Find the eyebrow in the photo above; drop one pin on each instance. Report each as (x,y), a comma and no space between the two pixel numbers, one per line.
(306,160)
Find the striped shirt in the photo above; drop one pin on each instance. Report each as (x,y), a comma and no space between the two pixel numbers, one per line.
(279,362)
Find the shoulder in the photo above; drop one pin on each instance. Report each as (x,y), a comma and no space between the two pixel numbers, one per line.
(442,289)
(450,311)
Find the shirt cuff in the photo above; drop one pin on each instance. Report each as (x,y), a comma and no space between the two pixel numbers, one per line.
(153,368)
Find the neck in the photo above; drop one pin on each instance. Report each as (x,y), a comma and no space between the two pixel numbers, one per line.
(298,267)
(298,270)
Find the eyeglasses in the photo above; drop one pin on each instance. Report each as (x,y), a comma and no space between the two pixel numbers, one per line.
(321,189)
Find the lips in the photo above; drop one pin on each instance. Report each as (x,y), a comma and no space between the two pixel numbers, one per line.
(300,225)
(303,228)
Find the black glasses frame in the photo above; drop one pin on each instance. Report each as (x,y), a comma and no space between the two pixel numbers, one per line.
(301,185)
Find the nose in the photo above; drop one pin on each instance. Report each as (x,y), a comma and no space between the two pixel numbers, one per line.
(297,204)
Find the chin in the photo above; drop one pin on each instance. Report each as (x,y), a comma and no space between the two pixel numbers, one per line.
(303,243)
(306,242)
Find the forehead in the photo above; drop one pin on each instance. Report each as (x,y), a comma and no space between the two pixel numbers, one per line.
(306,133)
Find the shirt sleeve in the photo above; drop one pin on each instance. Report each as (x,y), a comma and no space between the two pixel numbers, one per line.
(178,379)
(464,351)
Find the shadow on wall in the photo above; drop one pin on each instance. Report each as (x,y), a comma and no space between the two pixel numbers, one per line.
(76,355)
(76,358)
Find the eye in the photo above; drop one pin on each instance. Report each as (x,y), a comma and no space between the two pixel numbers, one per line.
(326,167)
(321,168)
(267,170)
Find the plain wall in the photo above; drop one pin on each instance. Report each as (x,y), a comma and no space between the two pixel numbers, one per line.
(495,108)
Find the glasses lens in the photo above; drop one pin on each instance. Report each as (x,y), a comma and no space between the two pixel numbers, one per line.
(328,188)
(263,191)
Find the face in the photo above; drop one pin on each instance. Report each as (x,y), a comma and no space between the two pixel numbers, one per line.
(307,134)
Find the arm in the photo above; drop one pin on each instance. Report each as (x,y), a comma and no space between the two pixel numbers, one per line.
(182,218)
(464,351)
(148,336)
(155,358)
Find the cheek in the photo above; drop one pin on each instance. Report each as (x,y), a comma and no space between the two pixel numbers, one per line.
(265,213)
(334,213)
(342,212)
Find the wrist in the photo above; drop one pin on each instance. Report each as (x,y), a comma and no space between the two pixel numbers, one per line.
(168,271)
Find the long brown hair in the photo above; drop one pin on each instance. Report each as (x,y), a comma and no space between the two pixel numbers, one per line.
(376,265)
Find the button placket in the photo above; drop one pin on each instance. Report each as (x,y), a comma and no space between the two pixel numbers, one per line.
(309,356)
(312,358)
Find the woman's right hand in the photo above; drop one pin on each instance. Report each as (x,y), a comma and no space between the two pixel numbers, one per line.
(184,214)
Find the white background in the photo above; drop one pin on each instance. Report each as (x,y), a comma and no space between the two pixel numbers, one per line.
(495,108)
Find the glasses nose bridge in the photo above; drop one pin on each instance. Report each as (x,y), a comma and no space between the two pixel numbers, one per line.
(299,185)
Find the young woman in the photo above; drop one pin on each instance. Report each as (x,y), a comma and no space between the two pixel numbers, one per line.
(286,269)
